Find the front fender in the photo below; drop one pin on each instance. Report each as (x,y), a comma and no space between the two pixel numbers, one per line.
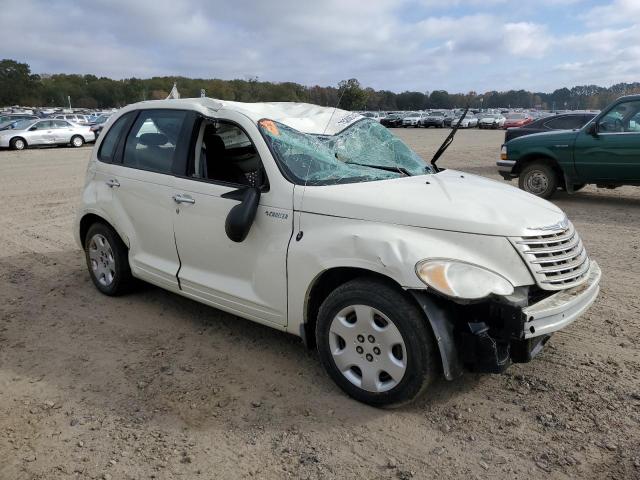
(387,249)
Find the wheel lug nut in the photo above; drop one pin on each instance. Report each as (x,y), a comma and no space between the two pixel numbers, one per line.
(371,339)
(369,357)
(359,349)
(376,350)
(360,338)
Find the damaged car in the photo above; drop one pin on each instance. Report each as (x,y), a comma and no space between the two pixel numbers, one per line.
(321,223)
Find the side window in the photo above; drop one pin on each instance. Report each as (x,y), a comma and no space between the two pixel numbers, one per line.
(152,141)
(110,143)
(565,123)
(621,118)
(224,153)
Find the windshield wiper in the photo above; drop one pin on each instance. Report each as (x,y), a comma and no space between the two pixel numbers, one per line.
(402,170)
(448,140)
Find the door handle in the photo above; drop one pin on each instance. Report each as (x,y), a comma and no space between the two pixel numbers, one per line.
(113,183)
(183,199)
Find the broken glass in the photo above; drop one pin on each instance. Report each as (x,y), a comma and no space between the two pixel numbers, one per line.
(363,152)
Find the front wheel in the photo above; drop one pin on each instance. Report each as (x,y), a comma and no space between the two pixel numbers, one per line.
(77,141)
(375,343)
(538,179)
(18,143)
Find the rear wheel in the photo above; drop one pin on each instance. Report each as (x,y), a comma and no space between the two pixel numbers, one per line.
(77,141)
(539,179)
(375,343)
(107,260)
(18,143)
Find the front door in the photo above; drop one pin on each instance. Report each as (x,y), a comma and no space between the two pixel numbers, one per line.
(612,152)
(41,133)
(246,278)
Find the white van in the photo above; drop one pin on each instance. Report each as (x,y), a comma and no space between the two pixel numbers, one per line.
(321,223)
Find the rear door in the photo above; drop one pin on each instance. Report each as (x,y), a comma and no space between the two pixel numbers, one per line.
(139,188)
(613,152)
(61,131)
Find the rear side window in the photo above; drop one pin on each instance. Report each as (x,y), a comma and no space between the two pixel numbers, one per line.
(152,141)
(565,123)
(110,143)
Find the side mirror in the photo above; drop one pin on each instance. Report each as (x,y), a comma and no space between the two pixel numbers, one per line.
(241,216)
(33,128)
(592,129)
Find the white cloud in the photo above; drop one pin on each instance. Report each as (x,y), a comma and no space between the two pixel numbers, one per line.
(391,44)
(616,12)
(526,39)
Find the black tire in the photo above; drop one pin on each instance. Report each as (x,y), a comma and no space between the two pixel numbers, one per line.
(122,281)
(18,143)
(421,366)
(539,179)
(77,141)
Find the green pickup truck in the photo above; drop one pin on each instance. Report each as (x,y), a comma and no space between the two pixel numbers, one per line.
(605,152)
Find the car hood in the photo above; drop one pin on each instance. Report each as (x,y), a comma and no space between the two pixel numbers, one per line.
(544,138)
(449,200)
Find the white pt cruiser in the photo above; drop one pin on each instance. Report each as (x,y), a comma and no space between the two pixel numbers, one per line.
(321,223)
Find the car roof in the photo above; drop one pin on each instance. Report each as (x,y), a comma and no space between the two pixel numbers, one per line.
(304,117)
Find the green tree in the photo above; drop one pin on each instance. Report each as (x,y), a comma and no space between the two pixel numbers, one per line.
(17,84)
(352,94)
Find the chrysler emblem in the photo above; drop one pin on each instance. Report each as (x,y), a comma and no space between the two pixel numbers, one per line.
(561,225)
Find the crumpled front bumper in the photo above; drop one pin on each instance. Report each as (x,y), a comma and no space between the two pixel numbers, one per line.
(489,336)
(561,309)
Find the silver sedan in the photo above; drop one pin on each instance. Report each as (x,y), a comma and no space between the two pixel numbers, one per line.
(46,132)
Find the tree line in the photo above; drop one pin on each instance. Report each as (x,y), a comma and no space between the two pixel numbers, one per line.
(19,86)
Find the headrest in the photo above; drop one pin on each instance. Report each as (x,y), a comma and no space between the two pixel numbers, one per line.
(153,139)
(213,141)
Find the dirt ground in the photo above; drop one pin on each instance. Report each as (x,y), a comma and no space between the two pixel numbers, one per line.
(153,385)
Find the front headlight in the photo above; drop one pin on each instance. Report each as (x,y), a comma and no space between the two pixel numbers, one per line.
(462,280)
(503,153)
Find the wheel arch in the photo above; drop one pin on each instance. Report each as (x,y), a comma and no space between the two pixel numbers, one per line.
(538,157)
(325,283)
(436,312)
(89,219)
(26,144)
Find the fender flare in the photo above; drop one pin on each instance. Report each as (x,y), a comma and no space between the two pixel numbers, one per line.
(441,323)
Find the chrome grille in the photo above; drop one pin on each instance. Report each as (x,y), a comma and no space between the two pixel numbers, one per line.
(557,260)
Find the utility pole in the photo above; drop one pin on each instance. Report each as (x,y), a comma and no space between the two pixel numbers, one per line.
(69,98)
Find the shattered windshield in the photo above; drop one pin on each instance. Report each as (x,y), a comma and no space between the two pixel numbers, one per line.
(363,152)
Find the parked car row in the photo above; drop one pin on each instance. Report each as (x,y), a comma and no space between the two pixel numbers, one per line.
(446,118)
(484,119)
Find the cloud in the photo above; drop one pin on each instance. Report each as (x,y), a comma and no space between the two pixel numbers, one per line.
(618,12)
(526,39)
(391,44)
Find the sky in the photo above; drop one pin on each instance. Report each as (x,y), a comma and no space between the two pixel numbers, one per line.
(397,45)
